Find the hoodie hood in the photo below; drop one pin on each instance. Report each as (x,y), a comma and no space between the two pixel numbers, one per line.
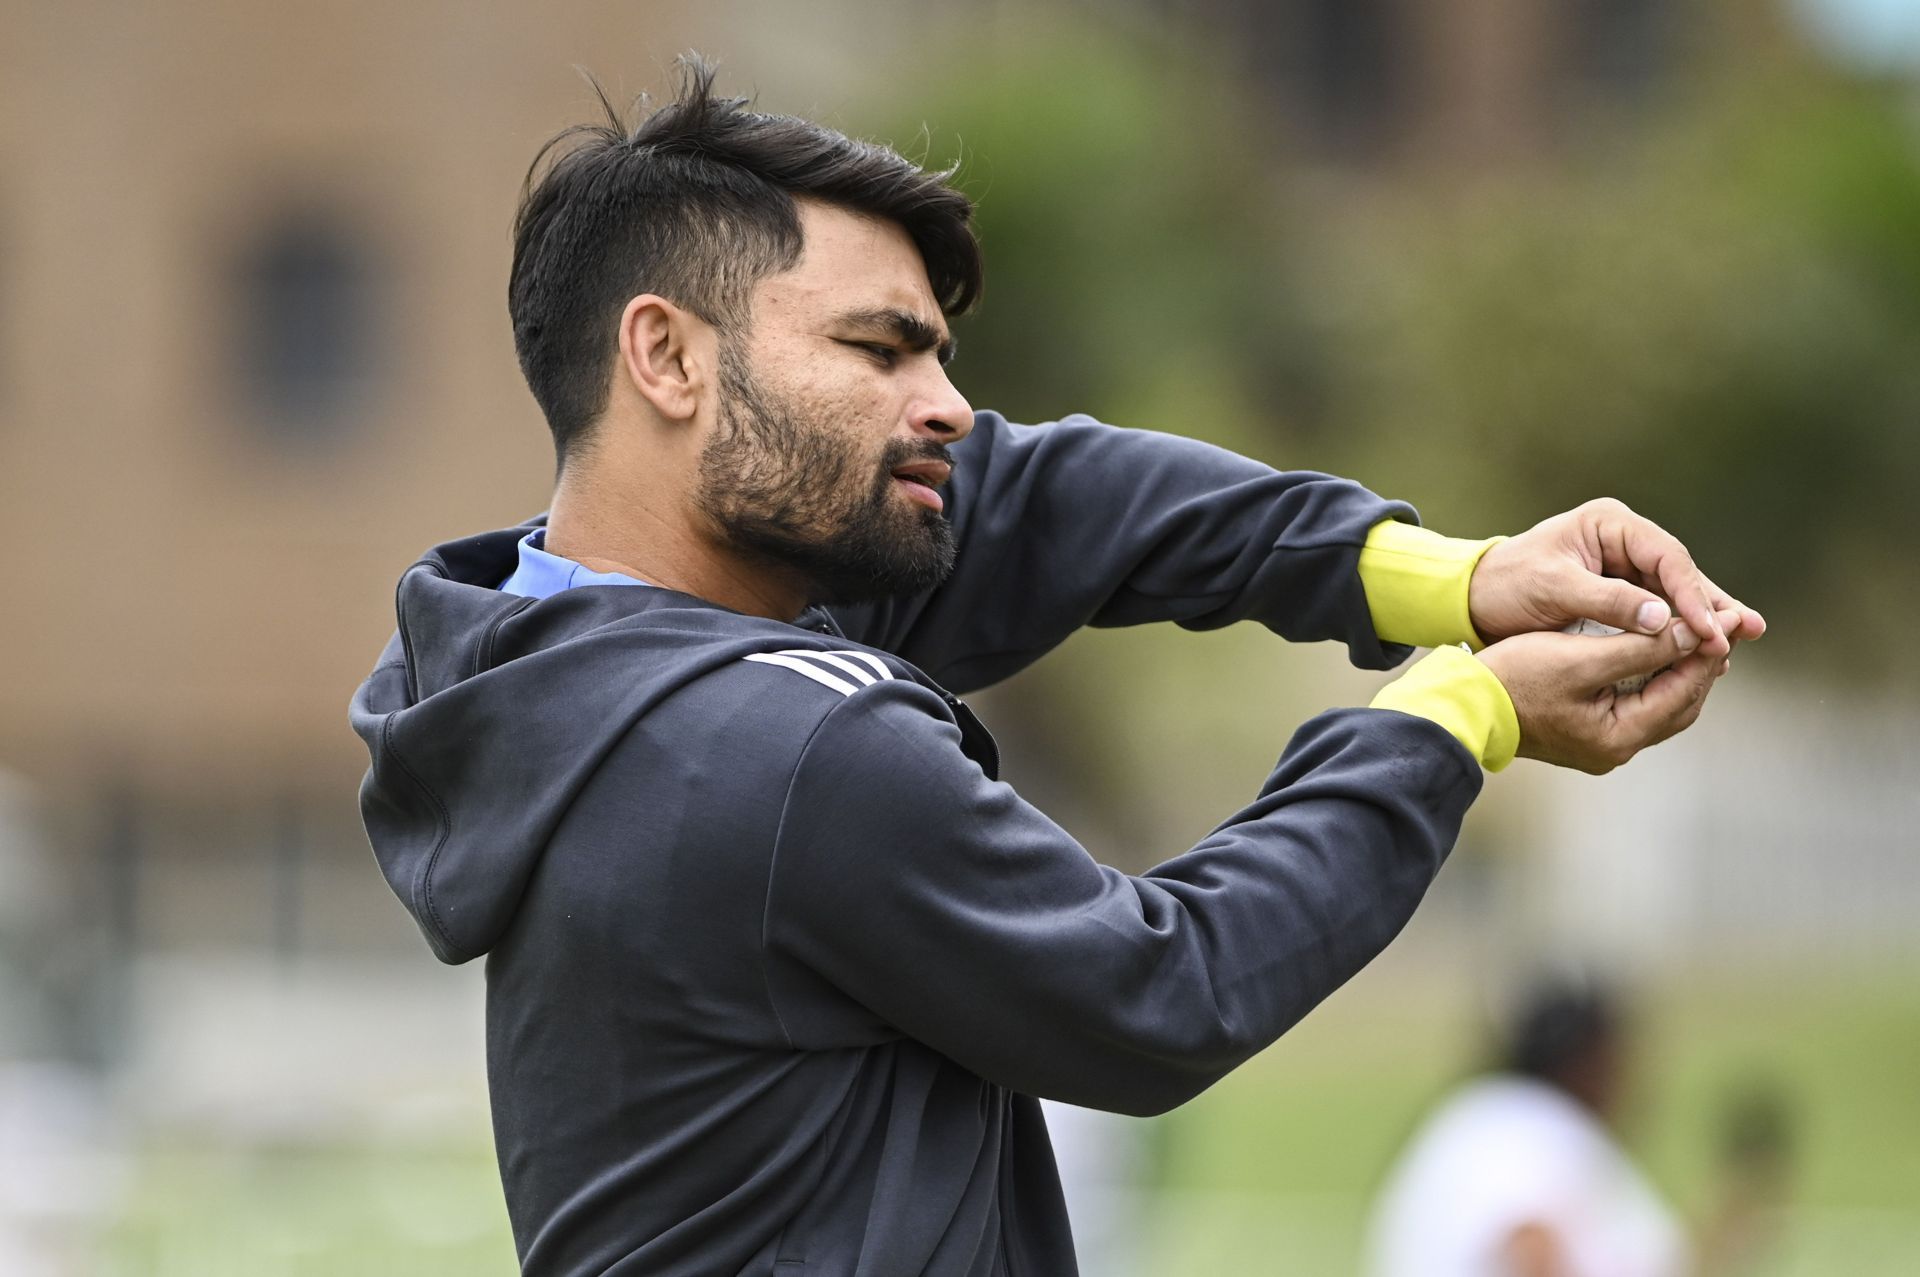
(487,712)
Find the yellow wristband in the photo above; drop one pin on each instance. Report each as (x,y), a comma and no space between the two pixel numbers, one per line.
(1453,688)
(1417,584)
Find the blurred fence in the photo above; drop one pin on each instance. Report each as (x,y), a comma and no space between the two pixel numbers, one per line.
(1787,830)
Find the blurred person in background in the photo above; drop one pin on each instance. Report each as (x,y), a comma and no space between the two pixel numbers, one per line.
(1107,1165)
(1756,1157)
(776,966)
(1520,1173)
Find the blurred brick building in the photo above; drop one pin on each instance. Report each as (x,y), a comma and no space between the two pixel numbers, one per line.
(253,356)
(1467,83)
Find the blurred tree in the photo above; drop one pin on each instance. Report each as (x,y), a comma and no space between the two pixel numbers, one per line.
(1714,315)
(1136,266)
(1720,324)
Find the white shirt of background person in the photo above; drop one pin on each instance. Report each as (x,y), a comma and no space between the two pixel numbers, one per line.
(1508,1153)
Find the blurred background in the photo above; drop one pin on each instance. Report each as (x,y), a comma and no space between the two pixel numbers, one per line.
(1492,256)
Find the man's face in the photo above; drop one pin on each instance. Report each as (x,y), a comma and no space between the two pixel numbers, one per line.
(834,415)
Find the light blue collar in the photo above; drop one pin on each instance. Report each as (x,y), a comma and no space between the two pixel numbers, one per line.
(540,575)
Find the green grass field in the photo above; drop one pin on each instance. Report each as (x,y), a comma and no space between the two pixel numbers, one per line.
(1270,1172)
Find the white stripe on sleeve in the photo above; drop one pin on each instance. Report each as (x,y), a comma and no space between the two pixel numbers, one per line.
(879,666)
(835,659)
(807,668)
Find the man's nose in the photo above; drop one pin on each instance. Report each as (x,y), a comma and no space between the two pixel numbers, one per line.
(944,412)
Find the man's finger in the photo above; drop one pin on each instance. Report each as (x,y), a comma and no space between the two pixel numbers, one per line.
(1608,660)
(1660,557)
(1690,595)
(1621,604)
(1671,700)
(1746,623)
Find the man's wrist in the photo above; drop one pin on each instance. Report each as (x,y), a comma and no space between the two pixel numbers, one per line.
(1418,584)
(1452,688)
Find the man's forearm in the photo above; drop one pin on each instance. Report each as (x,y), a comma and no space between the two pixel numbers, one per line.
(1080,523)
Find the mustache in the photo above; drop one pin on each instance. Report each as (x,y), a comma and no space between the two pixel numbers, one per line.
(903,452)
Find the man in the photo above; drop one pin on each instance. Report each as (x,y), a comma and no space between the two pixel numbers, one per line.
(775,966)
(1518,1175)
(1519,1172)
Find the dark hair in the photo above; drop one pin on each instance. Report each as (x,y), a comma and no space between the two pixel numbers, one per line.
(1559,1026)
(694,202)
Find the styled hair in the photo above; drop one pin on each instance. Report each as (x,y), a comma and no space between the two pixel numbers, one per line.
(694,201)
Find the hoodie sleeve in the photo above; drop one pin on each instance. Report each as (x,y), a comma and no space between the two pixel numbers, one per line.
(1079,523)
(934,898)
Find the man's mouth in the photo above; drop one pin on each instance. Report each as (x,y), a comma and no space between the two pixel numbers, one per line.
(920,479)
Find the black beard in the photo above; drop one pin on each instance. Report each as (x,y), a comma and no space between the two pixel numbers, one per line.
(785,491)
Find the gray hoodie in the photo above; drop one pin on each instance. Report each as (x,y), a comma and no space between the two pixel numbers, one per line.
(776,964)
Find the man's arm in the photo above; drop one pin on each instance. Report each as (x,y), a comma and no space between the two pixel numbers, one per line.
(1533,1250)
(1080,523)
(908,886)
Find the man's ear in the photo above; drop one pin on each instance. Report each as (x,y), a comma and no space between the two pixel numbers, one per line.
(664,355)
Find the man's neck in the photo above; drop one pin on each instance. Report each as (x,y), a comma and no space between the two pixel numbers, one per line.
(666,551)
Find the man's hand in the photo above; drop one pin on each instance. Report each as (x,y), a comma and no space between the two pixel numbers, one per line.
(1605,562)
(1562,690)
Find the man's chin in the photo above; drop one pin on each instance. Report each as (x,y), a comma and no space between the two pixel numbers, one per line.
(848,589)
(864,565)
(888,571)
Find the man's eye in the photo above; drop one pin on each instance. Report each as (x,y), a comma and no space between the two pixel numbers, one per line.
(887,355)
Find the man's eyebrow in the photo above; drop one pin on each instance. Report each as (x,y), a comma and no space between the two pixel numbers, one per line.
(909,329)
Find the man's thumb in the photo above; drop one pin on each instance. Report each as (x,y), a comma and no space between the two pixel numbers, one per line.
(1623,605)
